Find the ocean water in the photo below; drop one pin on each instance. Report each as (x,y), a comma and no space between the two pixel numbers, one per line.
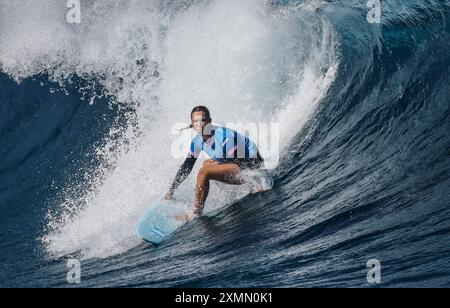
(86,120)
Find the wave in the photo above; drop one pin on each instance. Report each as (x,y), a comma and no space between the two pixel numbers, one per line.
(363,116)
(162,60)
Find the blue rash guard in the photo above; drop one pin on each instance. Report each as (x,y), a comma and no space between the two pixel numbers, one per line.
(225,145)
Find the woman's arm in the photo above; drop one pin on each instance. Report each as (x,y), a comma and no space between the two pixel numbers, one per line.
(182,174)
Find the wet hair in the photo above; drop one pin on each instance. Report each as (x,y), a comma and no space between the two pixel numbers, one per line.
(200,109)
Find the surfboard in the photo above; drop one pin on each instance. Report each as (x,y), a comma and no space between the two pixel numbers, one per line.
(160,220)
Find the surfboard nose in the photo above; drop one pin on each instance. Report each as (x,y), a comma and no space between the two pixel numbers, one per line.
(159,221)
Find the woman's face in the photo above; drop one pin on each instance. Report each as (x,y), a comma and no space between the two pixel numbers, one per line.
(201,123)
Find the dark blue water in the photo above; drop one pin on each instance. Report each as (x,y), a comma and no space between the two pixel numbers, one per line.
(368,176)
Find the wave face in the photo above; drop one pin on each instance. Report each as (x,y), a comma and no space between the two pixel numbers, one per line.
(85,138)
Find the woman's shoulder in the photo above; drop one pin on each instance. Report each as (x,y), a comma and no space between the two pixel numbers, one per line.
(224,130)
(197,139)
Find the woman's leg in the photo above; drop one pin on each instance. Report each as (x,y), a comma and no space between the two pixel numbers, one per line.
(225,173)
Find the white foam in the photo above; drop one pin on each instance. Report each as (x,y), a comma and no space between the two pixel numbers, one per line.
(245,60)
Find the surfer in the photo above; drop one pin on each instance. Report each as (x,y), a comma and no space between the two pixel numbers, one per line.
(230,153)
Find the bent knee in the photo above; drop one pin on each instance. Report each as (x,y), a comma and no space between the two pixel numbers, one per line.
(203,174)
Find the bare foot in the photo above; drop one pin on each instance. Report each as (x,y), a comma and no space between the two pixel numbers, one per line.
(185,218)
(258,189)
